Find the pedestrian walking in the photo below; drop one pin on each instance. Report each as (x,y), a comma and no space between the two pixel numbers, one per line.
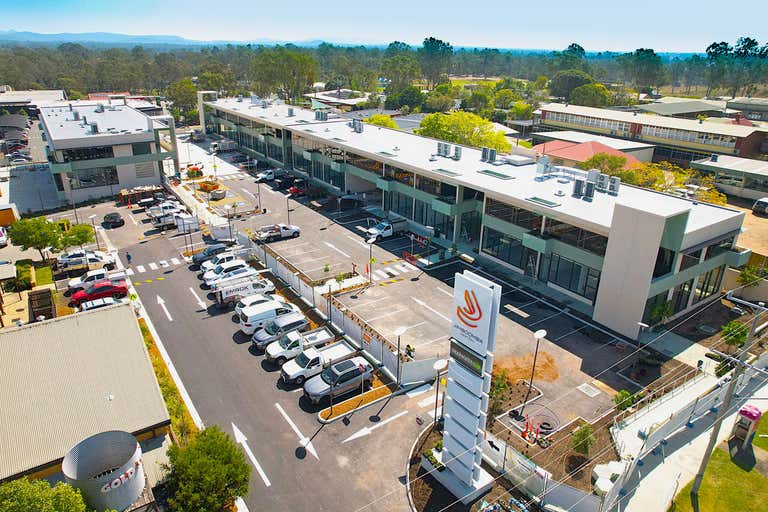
(128,258)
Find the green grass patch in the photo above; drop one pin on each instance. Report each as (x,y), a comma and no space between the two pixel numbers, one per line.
(181,421)
(762,429)
(726,488)
(23,279)
(43,275)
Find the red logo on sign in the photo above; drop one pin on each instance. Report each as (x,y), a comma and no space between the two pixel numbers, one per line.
(471,313)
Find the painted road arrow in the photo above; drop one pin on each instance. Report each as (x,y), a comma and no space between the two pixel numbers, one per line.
(198,299)
(242,440)
(303,440)
(367,430)
(161,303)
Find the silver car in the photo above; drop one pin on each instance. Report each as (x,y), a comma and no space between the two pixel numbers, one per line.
(339,379)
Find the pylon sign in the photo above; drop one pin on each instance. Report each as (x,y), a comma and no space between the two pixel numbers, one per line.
(473,337)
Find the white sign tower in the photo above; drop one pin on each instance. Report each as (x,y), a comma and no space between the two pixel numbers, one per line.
(473,338)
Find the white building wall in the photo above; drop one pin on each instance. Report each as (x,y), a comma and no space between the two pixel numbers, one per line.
(628,268)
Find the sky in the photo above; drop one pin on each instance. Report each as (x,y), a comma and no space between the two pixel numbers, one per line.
(674,26)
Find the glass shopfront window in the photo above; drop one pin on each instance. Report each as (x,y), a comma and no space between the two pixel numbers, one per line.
(365,163)
(575,236)
(426,216)
(689,259)
(398,203)
(719,248)
(398,174)
(708,284)
(518,216)
(570,275)
(92,153)
(680,296)
(90,178)
(428,185)
(507,248)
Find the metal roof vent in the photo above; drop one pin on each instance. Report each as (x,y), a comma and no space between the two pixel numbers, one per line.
(76,115)
(290,112)
(94,127)
(432,158)
(484,154)
(100,108)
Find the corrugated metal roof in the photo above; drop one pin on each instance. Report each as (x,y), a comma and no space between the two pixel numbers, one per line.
(71,377)
(652,120)
(679,107)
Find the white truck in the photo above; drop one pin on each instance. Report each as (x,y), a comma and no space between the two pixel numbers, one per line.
(291,344)
(166,221)
(233,292)
(91,277)
(312,361)
(187,223)
(277,232)
(388,227)
(220,146)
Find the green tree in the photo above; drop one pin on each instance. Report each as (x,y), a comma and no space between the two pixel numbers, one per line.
(287,70)
(750,276)
(734,333)
(591,95)
(207,474)
(382,120)
(623,400)
(463,128)
(410,97)
(521,110)
(605,163)
(505,98)
(435,102)
(435,57)
(209,80)
(401,70)
(78,234)
(39,496)
(643,67)
(583,440)
(183,94)
(477,101)
(36,233)
(566,81)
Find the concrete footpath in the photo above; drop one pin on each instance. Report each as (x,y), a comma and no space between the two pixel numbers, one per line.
(654,485)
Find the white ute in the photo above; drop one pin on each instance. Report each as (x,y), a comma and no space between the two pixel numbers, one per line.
(388,228)
(277,232)
(291,344)
(91,277)
(311,361)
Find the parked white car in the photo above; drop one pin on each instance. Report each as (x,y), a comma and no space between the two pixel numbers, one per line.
(80,258)
(255,299)
(215,272)
(235,275)
(91,277)
(3,237)
(217,260)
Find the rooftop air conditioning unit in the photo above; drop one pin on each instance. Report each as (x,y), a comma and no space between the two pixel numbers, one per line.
(94,128)
(613,185)
(491,155)
(484,154)
(70,107)
(76,115)
(254,98)
(457,152)
(290,111)
(589,191)
(592,175)
(100,108)
(602,182)
(578,188)
(713,158)
(264,104)
(239,98)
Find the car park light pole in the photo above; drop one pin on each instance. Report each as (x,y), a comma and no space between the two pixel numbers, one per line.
(399,332)
(538,335)
(370,242)
(288,208)
(439,366)
(95,236)
(228,208)
(258,194)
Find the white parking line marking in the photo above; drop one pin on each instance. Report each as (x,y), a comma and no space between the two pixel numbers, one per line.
(546,318)
(133,220)
(435,340)
(140,269)
(383,315)
(430,400)
(250,193)
(164,264)
(419,390)
(153,266)
(175,261)
(519,312)
(361,228)
(337,249)
(129,272)
(357,240)
(569,333)
(445,292)
(424,305)
(367,430)
(303,440)
(432,412)
(415,325)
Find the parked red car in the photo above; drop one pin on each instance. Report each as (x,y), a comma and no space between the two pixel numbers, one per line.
(297,189)
(114,289)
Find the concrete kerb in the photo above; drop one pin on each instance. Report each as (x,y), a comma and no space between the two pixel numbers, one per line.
(411,506)
(395,393)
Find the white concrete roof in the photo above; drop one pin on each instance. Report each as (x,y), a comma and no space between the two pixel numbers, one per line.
(35,97)
(407,150)
(579,137)
(275,114)
(735,163)
(652,120)
(117,124)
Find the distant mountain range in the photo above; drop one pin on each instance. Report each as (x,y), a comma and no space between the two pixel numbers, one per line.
(102,39)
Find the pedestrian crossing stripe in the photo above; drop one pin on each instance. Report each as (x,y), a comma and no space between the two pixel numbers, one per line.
(140,269)
(129,272)
(392,281)
(409,266)
(175,261)
(164,264)
(390,270)
(376,278)
(383,275)
(153,266)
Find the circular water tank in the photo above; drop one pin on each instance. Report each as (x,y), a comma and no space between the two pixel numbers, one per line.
(107,469)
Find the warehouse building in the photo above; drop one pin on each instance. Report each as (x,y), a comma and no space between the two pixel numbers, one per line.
(611,254)
(96,149)
(677,140)
(65,379)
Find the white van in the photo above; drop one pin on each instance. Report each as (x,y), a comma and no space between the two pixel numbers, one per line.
(761,206)
(257,316)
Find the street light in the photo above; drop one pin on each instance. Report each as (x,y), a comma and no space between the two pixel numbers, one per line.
(95,236)
(288,208)
(538,335)
(258,193)
(72,199)
(399,332)
(439,366)
(370,242)
(229,219)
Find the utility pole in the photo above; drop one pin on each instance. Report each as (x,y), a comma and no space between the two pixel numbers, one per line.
(737,372)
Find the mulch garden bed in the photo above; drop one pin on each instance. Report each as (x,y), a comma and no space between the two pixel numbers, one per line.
(430,496)
(510,399)
(704,329)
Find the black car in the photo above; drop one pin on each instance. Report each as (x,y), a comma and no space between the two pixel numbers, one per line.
(113,220)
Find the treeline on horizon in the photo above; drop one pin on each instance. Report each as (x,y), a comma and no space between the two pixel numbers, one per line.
(733,69)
